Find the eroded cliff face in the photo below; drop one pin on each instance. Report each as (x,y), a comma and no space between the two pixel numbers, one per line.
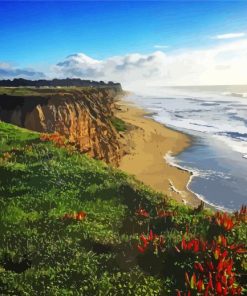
(82,116)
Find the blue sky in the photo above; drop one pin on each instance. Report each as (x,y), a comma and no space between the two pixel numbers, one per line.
(177,42)
(44,32)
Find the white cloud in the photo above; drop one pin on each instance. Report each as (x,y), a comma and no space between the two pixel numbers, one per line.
(159,46)
(229,36)
(7,71)
(221,64)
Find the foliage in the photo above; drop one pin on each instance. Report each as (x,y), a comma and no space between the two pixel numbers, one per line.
(71,225)
(119,124)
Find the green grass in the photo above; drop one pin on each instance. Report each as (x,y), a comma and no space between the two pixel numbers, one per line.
(43,254)
(31,91)
(119,124)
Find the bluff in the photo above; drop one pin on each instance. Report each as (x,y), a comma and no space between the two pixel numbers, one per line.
(82,115)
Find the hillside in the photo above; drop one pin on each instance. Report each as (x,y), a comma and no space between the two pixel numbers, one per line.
(72,225)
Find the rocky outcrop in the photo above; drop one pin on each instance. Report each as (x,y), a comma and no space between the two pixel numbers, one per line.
(82,116)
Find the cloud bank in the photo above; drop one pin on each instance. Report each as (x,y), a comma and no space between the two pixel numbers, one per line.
(7,71)
(219,64)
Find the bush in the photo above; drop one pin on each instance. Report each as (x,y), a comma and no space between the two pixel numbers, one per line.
(118,124)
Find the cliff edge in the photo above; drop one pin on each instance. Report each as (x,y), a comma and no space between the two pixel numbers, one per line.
(82,115)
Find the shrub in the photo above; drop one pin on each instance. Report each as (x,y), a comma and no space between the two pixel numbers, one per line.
(118,124)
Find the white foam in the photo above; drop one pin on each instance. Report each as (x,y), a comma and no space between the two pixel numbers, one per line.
(234,144)
(194,113)
(171,160)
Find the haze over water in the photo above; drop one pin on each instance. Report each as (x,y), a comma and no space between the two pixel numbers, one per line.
(216,118)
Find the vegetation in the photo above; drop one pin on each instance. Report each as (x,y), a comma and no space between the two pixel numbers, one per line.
(119,124)
(71,225)
(68,82)
(40,92)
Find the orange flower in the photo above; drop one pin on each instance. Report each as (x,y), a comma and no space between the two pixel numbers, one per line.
(81,215)
(76,216)
(224,220)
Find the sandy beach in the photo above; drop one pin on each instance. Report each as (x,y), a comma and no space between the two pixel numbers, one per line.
(145,144)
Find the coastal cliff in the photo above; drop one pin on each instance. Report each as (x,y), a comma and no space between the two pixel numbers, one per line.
(82,115)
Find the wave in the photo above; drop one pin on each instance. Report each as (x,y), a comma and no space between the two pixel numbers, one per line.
(173,161)
(232,132)
(235,94)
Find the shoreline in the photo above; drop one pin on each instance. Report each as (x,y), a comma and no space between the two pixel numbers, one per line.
(145,146)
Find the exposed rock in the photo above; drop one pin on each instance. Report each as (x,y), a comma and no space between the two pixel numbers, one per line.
(83,116)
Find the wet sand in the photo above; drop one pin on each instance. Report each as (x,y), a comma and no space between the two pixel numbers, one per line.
(145,145)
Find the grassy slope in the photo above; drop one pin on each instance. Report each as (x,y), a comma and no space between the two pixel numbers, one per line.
(43,254)
(29,91)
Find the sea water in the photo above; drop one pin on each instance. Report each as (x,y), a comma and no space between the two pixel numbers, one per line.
(216,119)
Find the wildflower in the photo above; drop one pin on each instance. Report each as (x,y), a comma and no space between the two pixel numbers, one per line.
(56,138)
(218,288)
(76,216)
(153,241)
(81,215)
(214,272)
(193,281)
(142,213)
(162,213)
(224,220)
(241,215)
(200,285)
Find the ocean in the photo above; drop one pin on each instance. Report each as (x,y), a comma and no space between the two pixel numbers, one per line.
(216,119)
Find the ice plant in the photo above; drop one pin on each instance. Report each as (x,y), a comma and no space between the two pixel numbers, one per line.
(241,215)
(162,213)
(152,242)
(213,273)
(56,138)
(192,245)
(224,220)
(142,213)
(76,216)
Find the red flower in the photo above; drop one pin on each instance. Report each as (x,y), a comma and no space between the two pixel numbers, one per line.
(184,244)
(210,265)
(163,213)
(81,215)
(224,220)
(198,266)
(77,216)
(200,285)
(218,288)
(141,249)
(142,213)
(210,282)
(216,253)
(242,214)
(144,240)
(152,241)
(196,246)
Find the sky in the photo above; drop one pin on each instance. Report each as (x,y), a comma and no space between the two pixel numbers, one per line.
(136,42)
